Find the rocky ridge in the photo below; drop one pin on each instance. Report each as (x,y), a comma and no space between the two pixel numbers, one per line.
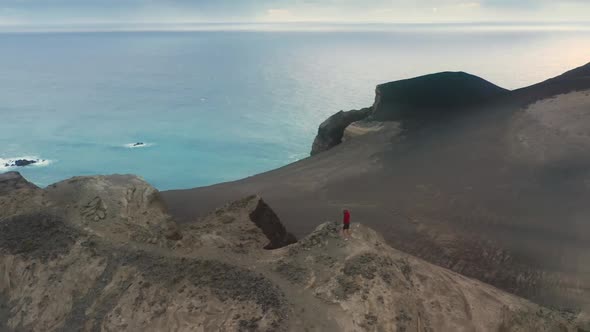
(410,101)
(102,254)
(12,181)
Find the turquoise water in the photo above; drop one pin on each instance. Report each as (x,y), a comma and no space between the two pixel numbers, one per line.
(219,106)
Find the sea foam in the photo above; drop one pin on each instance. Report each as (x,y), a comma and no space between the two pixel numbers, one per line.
(136,146)
(39,162)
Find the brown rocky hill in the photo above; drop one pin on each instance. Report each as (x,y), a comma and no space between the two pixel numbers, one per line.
(101,254)
(496,190)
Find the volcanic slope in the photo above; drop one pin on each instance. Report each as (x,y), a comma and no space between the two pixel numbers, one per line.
(496,189)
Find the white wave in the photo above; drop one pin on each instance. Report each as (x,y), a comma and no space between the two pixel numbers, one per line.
(293,157)
(39,162)
(138,145)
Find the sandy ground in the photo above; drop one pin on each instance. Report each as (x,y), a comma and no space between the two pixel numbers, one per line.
(361,128)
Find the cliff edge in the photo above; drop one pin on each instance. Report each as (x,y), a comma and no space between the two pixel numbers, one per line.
(64,269)
(420,99)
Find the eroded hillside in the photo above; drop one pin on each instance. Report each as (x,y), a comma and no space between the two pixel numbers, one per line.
(102,254)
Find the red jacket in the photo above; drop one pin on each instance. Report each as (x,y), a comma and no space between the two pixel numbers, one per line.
(346,219)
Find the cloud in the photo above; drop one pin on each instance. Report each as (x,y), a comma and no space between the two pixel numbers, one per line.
(279,15)
(68,11)
(470,5)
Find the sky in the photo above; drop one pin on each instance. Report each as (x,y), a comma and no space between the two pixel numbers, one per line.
(79,12)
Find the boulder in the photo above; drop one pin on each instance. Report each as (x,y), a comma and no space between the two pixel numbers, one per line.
(24,162)
(20,163)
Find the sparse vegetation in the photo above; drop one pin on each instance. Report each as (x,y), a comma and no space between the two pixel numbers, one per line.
(28,235)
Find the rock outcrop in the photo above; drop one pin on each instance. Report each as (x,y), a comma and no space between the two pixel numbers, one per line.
(246,225)
(268,221)
(20,163)
(122,206)
(382,289)
(420,99)
(330,131)
(59,271)
(12,181)
(101,253)
(18,195)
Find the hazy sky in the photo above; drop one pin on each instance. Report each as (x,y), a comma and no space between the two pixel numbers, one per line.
(17,12)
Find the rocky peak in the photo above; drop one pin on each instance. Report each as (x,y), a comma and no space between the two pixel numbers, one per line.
(11,181)
(18,195)
(113,206)
(431,95)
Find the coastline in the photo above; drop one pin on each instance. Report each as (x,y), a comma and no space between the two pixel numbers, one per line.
(450,192)
(453,227)
(480,198)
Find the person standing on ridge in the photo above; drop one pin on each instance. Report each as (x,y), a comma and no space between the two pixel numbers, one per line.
(346,223)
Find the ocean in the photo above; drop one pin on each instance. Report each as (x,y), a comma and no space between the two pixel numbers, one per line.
(214,106)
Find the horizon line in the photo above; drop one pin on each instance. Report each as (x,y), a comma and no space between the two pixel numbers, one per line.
(188,26)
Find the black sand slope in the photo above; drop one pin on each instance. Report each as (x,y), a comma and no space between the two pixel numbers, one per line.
(500,193)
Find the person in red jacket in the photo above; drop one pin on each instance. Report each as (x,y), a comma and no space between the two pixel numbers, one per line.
(346,223)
